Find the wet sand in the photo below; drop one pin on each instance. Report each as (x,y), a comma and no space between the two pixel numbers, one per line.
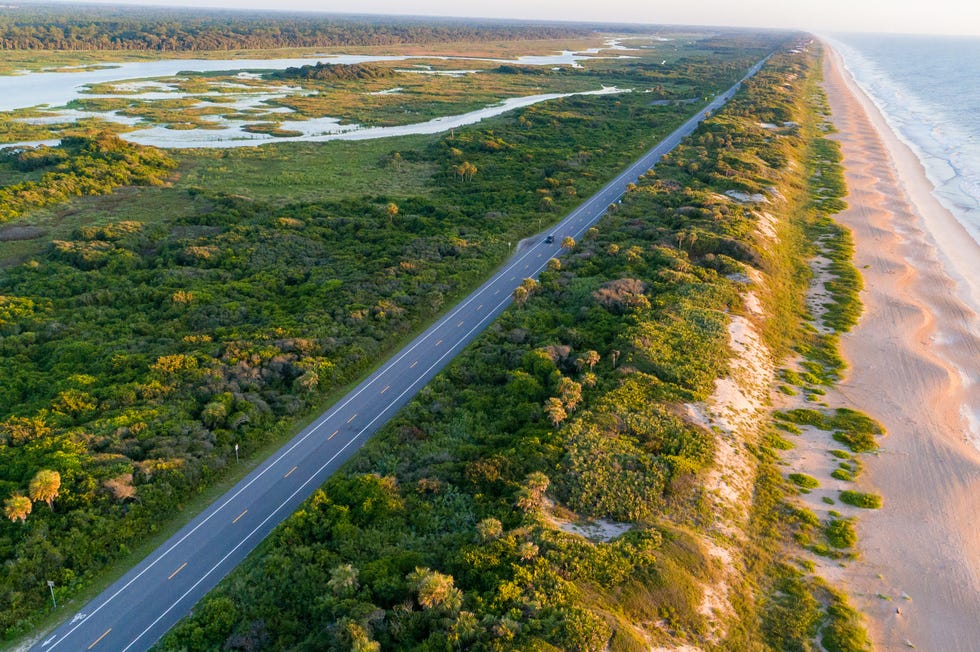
(915,366)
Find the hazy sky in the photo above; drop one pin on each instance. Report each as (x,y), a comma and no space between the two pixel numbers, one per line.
(900,16)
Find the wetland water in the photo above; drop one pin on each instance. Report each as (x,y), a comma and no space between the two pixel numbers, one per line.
(50,92)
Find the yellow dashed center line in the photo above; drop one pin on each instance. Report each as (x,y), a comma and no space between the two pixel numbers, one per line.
(387,387)
(438,342)
(174,574)
(96,641)
(290,472)
(412,366)
(459,324)
(352,417)
(239,516)
(333,434)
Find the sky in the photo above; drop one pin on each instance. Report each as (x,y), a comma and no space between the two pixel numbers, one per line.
(893,16)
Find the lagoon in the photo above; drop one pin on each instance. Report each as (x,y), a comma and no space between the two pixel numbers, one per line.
(52,92)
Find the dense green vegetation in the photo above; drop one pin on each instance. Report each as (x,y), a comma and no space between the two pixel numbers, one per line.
(861,499)
(454,528)
(322,70)
(151,331)
(56,27)
(80,165)
(804,481)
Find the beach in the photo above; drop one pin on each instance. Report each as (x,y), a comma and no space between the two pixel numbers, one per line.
(915,366)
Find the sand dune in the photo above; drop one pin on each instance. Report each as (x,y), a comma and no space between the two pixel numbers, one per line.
(915,359)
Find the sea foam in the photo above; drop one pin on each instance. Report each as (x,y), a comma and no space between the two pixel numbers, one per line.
(928,90)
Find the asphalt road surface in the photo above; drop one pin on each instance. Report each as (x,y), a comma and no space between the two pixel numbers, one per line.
(138,609)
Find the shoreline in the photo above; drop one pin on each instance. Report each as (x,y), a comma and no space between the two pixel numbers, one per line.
(915,366)
(919,154)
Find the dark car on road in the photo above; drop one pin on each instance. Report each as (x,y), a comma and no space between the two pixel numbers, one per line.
(549,239)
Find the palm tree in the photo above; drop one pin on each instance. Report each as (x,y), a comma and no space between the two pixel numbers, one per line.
(435,589)
(489,529)
(537,482)
(591,358)
(570,393)
(467,170)
(555,411)
(343,578)
(531,496)
(17,508)
(44,486)
(520,295)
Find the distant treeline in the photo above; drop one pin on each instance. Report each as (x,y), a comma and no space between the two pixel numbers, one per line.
(43,27)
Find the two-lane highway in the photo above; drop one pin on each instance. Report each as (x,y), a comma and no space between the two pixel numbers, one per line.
(138,609)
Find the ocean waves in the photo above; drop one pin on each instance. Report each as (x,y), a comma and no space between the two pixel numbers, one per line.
(928,89)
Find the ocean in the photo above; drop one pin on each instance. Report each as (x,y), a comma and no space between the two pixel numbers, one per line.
(928,89)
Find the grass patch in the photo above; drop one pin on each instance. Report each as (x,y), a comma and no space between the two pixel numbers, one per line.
(843,630)
(853,428)
(804,481)
(840,533)
(788,427)
(841,474)
(861,499)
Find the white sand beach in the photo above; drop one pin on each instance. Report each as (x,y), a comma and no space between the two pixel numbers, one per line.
(915,366)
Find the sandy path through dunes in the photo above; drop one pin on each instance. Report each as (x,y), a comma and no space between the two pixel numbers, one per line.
(915,359)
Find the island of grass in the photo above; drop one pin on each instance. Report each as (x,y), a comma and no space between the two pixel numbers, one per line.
(272,129)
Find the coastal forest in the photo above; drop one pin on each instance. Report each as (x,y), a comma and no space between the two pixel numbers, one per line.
(156,311)
(562,484)
(553,489)
(50,27)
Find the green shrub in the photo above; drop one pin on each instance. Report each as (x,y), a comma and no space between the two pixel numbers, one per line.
(842,630)
(804,481)
(788,427)
(859,442)
(802,416)
(848,419)
(773,440)
(840,533)
(841,474)
(791,377)
(861,499)
(791,617)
